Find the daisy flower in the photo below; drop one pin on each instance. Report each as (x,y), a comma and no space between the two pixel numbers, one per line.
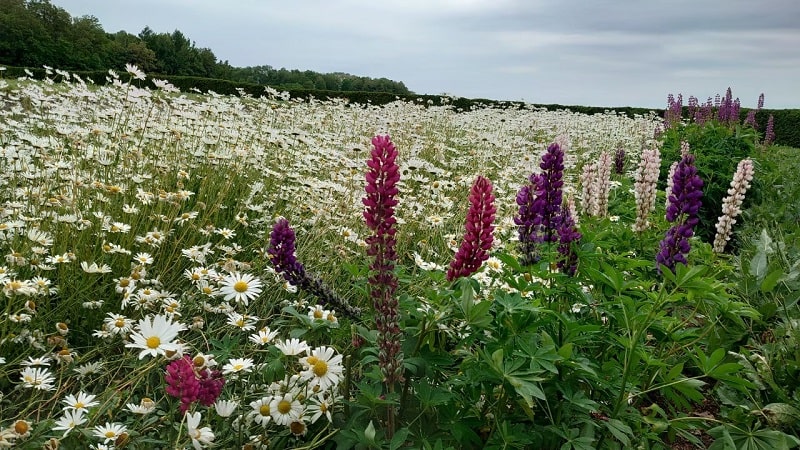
(240,287)
(262,411)
(143,258)
(200,436)
(225,408)
(323,368)
(71,419)
(264,336)
(37,378)
(145,406)
(110,431)
(155,336)
(237,365)
(82,402)
(319,407)
(40,361)
(117,324)
(242,321)
(285,409)
(291,347)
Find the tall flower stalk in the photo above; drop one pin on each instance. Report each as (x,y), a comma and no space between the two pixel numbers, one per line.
(479,226)
(644,187)
(732,204)
(684,203)
(281,253)
(381,191)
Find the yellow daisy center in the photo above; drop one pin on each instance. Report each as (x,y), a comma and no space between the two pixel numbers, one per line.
(124,282)
(311,360)
(238,367)
(79,405)
(264,410)
(317,314)
(284,407)
(119,323)
(153,342)
(21,427)
(320,368)
(110,434)
(240,286)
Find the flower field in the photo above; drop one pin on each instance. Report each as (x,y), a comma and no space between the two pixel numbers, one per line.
(194,270)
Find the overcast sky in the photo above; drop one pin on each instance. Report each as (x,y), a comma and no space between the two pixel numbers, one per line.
(572,52)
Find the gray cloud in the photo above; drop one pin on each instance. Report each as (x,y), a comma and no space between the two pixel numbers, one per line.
(599,52)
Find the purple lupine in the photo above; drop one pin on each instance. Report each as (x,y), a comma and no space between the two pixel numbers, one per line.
(530,199)
(281,253)
(182,382)
(734,119)
(760,101)
(751,118)
(684,203)
(479,226)
(568,235)
(540,203)
(552,182)
(381,188)
(693,107)
(769,135)
(619,161)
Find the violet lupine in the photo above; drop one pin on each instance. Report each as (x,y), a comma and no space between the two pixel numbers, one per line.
(751,118)
(540,203)
(568,235)
(530,199)
(479,226)
(619,161)
(281,253)
(645,187)
(732,204)
(182,382)
(381,188)
(685,202)
(769,135)
(761,101)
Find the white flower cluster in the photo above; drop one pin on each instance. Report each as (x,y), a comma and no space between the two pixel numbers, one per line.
(732,204)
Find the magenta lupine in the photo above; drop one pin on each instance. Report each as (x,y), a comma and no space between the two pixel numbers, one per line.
(381,191)
(645,187)
(685,202)
(479,226)
(211,384)
(732,204)
(769,135)
(182,382)
(281,253)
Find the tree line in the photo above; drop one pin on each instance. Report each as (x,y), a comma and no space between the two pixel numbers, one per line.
(34,33)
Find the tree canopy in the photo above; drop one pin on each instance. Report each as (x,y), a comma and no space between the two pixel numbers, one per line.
(34,33)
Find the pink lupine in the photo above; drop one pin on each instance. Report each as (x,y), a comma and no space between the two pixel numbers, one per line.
(479,226)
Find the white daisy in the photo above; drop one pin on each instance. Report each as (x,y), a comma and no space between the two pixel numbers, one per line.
(71,419)
(82,402)
(225,408)
(237,365)
(264,336)
(110,431)
(291,347)
(262,412)
(240,287)
(37,378)
(200,436)
(323,368)
(155,337)
(285,409)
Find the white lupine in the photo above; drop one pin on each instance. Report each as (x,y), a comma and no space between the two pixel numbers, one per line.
(602,184)
(587,185)
(645,187)
(670,175)
(732,204)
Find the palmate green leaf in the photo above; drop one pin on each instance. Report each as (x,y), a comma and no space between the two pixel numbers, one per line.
(620,431)
(734,438)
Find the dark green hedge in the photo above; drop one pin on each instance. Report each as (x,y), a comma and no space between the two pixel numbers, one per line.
(786,121)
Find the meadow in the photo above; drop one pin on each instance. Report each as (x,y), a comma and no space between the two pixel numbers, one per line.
(186,269)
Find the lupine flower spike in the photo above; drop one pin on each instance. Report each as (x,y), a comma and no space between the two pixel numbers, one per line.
(732,204)
(478,237)
(281,253)
(381,191)
(684,204)
(645,187)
